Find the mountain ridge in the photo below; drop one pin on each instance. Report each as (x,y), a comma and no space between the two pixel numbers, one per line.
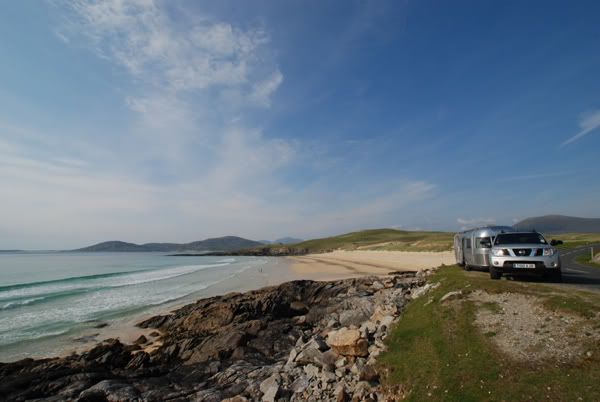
(559,224)
(225,243)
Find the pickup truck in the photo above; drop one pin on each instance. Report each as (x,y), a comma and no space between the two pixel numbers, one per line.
(524,253)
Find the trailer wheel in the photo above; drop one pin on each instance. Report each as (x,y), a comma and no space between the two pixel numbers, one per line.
(467,267)
(494,273)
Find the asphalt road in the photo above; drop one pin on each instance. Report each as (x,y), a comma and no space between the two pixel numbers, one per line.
(579,275)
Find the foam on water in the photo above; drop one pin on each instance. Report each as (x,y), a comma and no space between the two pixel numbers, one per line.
(61,305)
(95,282)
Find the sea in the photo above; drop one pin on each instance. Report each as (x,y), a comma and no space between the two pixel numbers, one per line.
(51,301)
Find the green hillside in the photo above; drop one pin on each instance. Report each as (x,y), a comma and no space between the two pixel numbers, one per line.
(572,240)
(382,239)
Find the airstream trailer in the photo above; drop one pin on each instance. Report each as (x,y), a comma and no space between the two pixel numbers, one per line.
(472,247)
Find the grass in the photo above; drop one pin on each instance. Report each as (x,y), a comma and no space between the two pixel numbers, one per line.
(383,239)
(585,260)
(435,352)
(573,240)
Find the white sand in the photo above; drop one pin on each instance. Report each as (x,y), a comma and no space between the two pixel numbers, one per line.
(341,264)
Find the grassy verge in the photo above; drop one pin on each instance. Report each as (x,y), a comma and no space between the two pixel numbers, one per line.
(574,240)
(436,353)
(585,260)
(383,239)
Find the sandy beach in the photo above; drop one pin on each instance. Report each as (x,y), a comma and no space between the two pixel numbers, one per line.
(342,264)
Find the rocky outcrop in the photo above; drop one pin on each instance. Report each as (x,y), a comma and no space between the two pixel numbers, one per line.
(302,340)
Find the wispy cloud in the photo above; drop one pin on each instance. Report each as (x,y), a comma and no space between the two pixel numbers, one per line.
(192,84)
(172,58)
(469,223)
(194,53)
(588,122)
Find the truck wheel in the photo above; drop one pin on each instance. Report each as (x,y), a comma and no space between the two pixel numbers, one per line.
(494,273)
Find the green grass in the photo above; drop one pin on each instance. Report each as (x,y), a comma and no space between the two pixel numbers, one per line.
(573,240)
(585,260)
(435,353)
(383,239)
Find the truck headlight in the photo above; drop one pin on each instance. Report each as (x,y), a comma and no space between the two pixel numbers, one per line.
(499,252)
(548,252)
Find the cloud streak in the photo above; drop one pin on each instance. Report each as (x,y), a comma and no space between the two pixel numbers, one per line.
(588,122)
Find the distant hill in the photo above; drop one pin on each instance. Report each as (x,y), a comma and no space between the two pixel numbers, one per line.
(114,245)
(382,239)
(560,224)
(288,240)
(227,243)
(283,240)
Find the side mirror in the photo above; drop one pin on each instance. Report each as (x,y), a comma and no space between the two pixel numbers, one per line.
(485,243)
(555,242)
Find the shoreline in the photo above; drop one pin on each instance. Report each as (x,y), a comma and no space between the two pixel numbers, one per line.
(332,266)
(299,340)
(322,267)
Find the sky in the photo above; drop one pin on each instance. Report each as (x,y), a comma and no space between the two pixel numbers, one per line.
(176,121)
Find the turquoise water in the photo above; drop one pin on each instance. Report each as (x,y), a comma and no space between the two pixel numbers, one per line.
(46,299)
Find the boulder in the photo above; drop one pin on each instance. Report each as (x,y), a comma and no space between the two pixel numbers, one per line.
(451,295)
(298,308)
(309,355)
(274,379)
(299,385)
(348,342)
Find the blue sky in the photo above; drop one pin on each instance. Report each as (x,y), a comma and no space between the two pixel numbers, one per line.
(180,120)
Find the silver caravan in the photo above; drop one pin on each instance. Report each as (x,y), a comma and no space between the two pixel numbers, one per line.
(472,247)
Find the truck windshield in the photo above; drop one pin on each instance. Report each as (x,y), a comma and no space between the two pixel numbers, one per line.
(519,238)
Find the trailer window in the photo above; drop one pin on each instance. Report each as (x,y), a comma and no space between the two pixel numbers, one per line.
(468,243)
(483,242)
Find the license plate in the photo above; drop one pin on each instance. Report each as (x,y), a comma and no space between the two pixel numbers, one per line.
(524,265)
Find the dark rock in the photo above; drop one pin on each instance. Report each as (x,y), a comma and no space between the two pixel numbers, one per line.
(141,340)
(109,390)
(227,346)
(368,373)
(299,308)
